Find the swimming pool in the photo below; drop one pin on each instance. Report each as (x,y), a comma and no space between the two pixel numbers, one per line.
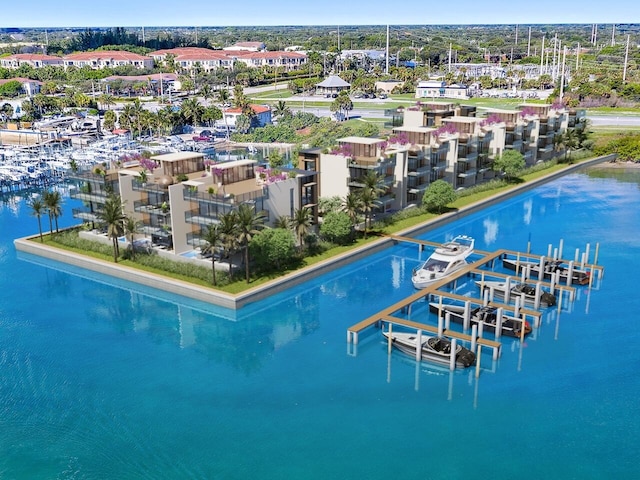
(106,379)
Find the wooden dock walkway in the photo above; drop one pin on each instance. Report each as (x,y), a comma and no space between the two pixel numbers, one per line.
(474,269)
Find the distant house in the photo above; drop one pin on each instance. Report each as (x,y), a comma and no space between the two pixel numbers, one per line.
(247,47)
(29,87)
(387,86)
(262,116)
(440,89)
(332,85)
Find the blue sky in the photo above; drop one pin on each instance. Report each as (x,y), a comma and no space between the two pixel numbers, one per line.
(65,13)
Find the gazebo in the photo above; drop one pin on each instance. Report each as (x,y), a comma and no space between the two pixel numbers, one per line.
(332,85)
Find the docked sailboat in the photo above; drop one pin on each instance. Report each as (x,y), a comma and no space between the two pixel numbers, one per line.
(433,349)
(550,268)
(446,259)
(487,316)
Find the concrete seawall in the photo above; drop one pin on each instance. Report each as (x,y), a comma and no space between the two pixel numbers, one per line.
(210,295)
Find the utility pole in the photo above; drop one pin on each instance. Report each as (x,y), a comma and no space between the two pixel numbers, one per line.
(529,44)
(577,56)
(626,59)
(564,57)
(386,70)
(613,35)
(516,42)
(553,63)
(450,45)
(143,40)
(542,55)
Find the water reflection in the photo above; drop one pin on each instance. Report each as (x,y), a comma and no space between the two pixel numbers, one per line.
(241,339)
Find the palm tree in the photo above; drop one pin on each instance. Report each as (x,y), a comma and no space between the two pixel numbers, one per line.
(369,204)
(281,109)
(107,100)
(301,223)
(249,223)
(113,216)
(570,141)
(352,205)
(192,111)
(206,92)
(283,221)
(240,100)
(131,227)
(37,210)
(223,96)
(212,237)
(229,232)
(374,182)
(53,203)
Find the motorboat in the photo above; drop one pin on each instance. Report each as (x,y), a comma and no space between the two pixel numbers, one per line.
(487,315)
(524,291)
(578,276)
(434,349)
(446,259)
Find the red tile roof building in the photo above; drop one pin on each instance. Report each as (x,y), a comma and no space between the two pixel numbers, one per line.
(107,59)
(35,60)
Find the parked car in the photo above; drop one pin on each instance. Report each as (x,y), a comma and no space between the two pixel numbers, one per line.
(204,136)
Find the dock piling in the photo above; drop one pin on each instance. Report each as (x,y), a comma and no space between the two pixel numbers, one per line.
(560,247)
(419,346)
(536,302)
(452,358)
(467,315)
(498,333)
(478,355)
(474,337)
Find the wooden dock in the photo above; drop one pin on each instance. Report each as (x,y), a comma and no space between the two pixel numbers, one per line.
(474,269)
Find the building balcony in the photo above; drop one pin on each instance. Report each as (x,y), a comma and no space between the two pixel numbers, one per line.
(142,206)
(372,163)
(516,145)
(469,157)
(471,172)
(419,172)
(85,215)
(77,194)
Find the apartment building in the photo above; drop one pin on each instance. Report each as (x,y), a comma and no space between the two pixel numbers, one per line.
(438,141)
(107,59)
(34,60)
(190,58)
(175,213)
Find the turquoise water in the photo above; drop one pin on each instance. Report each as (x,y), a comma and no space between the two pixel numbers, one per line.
(105,379)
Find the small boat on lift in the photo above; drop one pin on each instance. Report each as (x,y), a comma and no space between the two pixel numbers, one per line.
(434,349)
(446,259)
(578,276)
(487,315)
(518,290)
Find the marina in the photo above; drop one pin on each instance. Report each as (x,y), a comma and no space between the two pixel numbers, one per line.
(516,297)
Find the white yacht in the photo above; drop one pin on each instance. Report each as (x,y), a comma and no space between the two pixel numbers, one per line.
(447,259)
